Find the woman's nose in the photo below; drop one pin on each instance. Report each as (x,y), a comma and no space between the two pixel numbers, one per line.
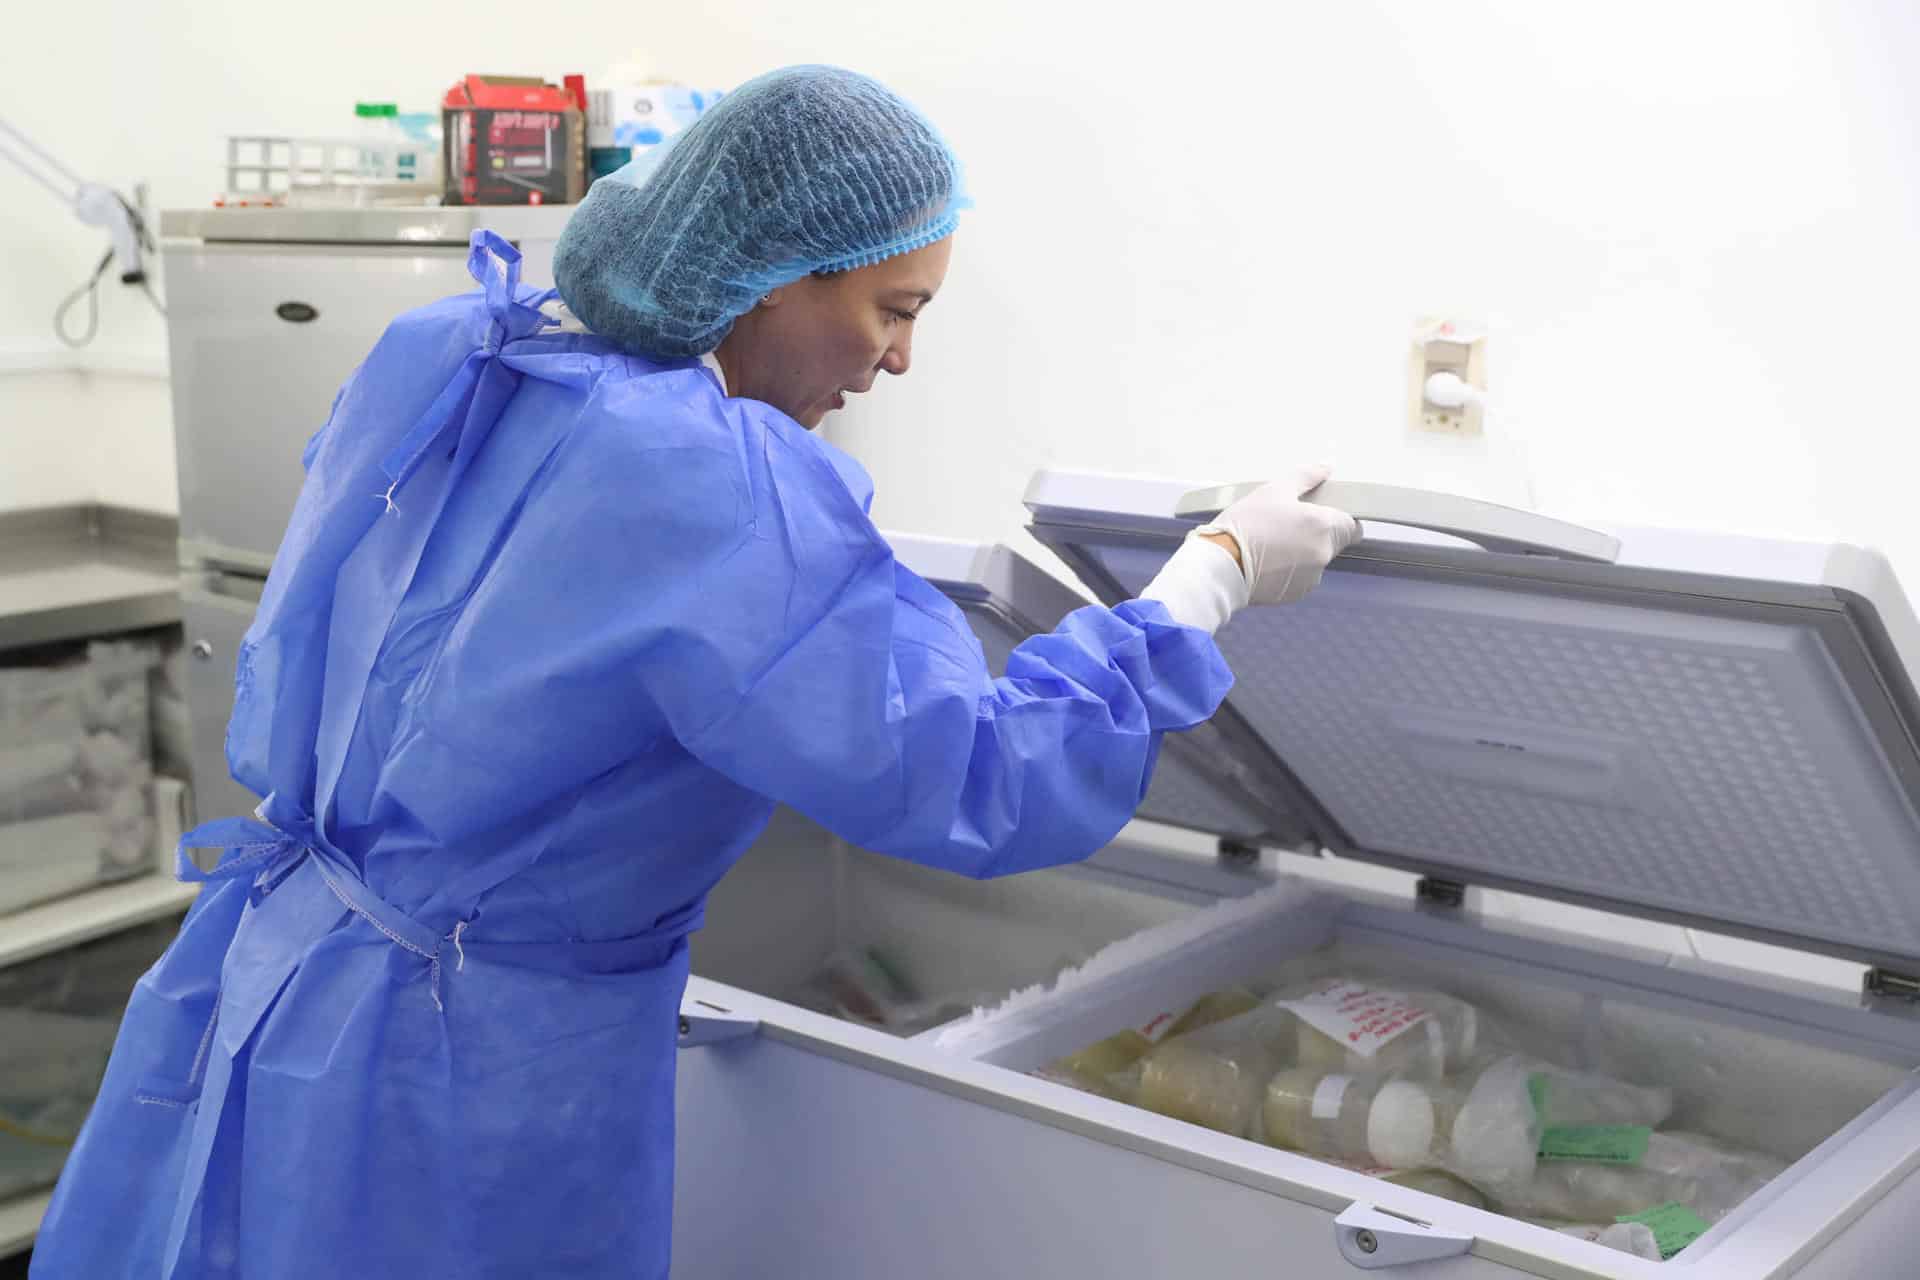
(899,357)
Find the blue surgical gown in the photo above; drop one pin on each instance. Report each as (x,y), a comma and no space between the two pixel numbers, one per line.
(551,631)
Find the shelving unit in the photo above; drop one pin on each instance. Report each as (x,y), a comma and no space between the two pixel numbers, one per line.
(68,922)
(71,573)
(20,1221)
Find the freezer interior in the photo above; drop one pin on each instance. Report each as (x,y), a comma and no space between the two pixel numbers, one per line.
(809,919)
(1790,1076)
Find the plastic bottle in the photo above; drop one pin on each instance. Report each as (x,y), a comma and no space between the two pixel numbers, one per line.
(1123,1049)
(1390,1121)
(407,150)
(1493,1127)
(376,125)
(1485,1133)
(1215,1076)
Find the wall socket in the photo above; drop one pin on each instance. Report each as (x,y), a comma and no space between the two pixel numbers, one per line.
(1446,346)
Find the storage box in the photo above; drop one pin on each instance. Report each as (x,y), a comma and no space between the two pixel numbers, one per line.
(640,116)
(514,140)
(1589,780)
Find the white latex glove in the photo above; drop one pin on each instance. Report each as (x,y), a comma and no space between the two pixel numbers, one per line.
(1286,543)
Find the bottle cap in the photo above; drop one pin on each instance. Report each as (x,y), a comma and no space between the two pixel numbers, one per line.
(1400,1125)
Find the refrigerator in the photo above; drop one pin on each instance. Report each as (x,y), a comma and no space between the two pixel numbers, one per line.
(269,311)
(1650,794)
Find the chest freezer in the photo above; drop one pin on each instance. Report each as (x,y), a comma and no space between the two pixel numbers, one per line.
(1577,777)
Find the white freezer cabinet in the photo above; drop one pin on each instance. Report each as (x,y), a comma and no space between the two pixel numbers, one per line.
(1583,762)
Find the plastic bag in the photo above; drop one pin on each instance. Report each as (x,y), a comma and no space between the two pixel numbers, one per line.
(1353,1026)
(868,986)
(1636,1238)
(1708,1177)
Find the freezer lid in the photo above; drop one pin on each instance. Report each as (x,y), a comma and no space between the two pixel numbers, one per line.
(1198,783)
(1708,729)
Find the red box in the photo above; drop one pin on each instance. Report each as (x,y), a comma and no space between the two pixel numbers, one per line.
(513,140)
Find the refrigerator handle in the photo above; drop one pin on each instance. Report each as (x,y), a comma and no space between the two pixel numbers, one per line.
(1497,528)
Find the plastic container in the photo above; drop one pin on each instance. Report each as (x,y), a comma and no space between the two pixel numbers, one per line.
(400,152)
(1121,1050)
(1215,1076)
(1486,1133)
(1393,1122)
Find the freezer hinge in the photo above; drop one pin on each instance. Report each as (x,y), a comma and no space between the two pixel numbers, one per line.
(1889,984)
(1237,854)
(703,1023)
(1434,892)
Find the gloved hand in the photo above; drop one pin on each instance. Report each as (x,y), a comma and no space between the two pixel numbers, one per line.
(1285,543)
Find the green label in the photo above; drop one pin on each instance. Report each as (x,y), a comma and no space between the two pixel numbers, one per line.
(1537,1090)
(1674,1227)
(1604,1143)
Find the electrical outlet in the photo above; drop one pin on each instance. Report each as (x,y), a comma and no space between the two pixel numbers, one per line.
(1447,346)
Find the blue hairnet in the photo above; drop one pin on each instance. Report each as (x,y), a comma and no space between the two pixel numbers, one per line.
(803,170)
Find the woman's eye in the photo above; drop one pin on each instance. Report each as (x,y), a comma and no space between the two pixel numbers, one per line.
(908,316)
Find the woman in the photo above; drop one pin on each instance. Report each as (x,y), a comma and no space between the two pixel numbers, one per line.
(563,610)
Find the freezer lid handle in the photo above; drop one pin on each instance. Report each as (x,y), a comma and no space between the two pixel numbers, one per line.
(1375,1241)
(1494,527)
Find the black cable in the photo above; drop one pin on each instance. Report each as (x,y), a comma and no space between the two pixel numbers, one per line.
(145,240)
(91,291)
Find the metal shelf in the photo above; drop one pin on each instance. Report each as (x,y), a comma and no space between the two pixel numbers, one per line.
(20,1221)
(68,573)
(83,917)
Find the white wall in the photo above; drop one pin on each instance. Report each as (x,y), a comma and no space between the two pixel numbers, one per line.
(1201,244)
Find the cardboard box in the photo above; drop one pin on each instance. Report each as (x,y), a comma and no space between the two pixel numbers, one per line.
(514,140)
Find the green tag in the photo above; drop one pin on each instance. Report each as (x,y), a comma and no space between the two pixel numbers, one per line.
(1604,1143)
(1537,1090)
(1674,1227)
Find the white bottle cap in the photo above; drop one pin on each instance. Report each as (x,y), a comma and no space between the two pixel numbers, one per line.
(1400,1125)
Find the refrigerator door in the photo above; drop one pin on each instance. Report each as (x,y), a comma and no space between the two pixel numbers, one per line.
(215,613)
(263,336)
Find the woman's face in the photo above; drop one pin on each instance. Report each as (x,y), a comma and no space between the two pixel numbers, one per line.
(814,342)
